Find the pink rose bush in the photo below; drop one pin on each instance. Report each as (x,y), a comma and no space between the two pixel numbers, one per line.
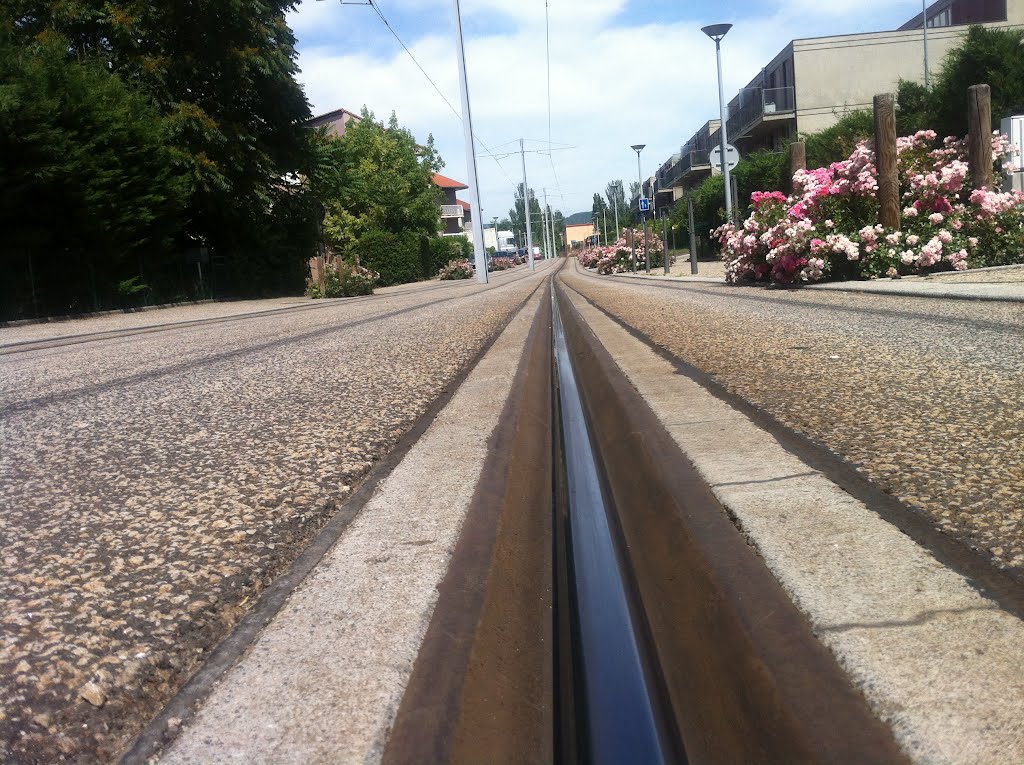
(618,257)
(828,227)
(457,269)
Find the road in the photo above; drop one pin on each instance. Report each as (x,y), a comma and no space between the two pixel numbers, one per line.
(831,482)
(154,482)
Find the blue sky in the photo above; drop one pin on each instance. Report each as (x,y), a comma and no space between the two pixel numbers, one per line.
(621,73)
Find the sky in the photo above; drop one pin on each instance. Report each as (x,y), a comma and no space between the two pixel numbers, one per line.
(623,72)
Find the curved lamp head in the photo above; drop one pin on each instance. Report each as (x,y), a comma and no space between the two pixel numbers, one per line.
(638,147)
(716,31)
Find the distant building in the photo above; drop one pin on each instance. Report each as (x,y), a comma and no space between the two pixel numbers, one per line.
(456,214)
(813,82)
(336,121)
(579,233)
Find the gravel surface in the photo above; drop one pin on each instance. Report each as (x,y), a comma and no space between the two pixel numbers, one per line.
(923,396)
(154,484)
(114,322)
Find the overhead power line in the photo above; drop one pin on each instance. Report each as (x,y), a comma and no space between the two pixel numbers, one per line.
(419,66)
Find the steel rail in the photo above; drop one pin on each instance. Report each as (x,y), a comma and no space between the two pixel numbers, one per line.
(617,718)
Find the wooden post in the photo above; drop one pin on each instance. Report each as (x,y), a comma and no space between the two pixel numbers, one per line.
(979,135)
(797,159)
(885,160)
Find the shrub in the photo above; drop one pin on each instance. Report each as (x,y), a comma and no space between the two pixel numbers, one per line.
(396,257)
(345,280)
(828,226)
(442,250)
(617,258)
(457,269)
(503,263)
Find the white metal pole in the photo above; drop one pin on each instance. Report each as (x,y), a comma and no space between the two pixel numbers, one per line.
(547,228)
(479,253)
(924,24)
(617,214)
(722,132)
(526,209)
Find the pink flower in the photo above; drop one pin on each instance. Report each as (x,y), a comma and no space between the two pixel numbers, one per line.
(936,218)
(910,212)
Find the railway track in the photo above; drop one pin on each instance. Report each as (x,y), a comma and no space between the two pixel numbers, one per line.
(654,634)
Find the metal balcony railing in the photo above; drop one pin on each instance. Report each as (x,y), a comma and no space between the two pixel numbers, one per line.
(694,159)
(755,104)
(451,211)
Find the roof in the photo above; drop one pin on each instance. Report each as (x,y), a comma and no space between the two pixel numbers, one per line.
(447,183)
(579,225)
(322,119)
(462,203)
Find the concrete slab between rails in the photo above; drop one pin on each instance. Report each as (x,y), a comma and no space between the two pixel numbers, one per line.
(937,661)
(323,682)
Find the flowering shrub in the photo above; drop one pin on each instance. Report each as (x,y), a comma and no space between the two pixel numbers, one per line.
(828,227)
(345,280)
(503,263)
(618,258)
(457,269)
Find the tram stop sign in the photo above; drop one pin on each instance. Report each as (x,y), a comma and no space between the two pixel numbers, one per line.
(732,156)
(645,204)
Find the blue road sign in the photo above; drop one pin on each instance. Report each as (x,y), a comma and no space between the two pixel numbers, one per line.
(645,204)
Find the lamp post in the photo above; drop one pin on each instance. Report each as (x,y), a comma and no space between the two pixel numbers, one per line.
(639,147)
(924,26)
(716,32)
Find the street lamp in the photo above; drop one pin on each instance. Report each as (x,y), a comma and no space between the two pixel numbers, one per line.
(716,32)
(639,147)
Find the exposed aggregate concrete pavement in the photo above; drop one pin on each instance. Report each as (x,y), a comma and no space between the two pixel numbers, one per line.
(153,485)
(922,396)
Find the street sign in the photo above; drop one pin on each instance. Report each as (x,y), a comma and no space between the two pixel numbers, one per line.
(645,204)
(732,156)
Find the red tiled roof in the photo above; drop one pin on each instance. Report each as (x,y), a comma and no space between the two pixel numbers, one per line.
(447,183)
(465,205)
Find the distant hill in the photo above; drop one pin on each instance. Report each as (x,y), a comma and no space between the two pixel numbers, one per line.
(580,217)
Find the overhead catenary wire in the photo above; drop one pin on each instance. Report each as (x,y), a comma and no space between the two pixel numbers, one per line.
(373,4)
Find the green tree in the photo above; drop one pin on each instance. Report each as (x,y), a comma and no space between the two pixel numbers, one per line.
(993,57)
(517,216)
(88,185)
(221,73)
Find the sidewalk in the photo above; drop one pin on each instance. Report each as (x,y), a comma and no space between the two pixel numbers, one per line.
(999,283)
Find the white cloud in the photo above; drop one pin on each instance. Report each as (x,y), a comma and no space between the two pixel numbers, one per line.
(612,84)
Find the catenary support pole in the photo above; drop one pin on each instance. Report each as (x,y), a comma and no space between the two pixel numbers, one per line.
(526,209)
(617,213)
(479,253)
(885,150)
(979,135)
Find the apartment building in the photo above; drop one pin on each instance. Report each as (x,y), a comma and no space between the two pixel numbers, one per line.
(813,82)
(456,214)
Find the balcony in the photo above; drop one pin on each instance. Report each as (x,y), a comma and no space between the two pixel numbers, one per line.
(451,211)
(757,105)
(695,159)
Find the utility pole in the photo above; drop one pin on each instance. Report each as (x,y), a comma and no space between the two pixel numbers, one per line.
(548,230)
(617,213)
(526,209)
(716,32)
(479,253)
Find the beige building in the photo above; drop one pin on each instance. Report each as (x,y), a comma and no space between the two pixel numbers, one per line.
(813,82)
(578,233)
